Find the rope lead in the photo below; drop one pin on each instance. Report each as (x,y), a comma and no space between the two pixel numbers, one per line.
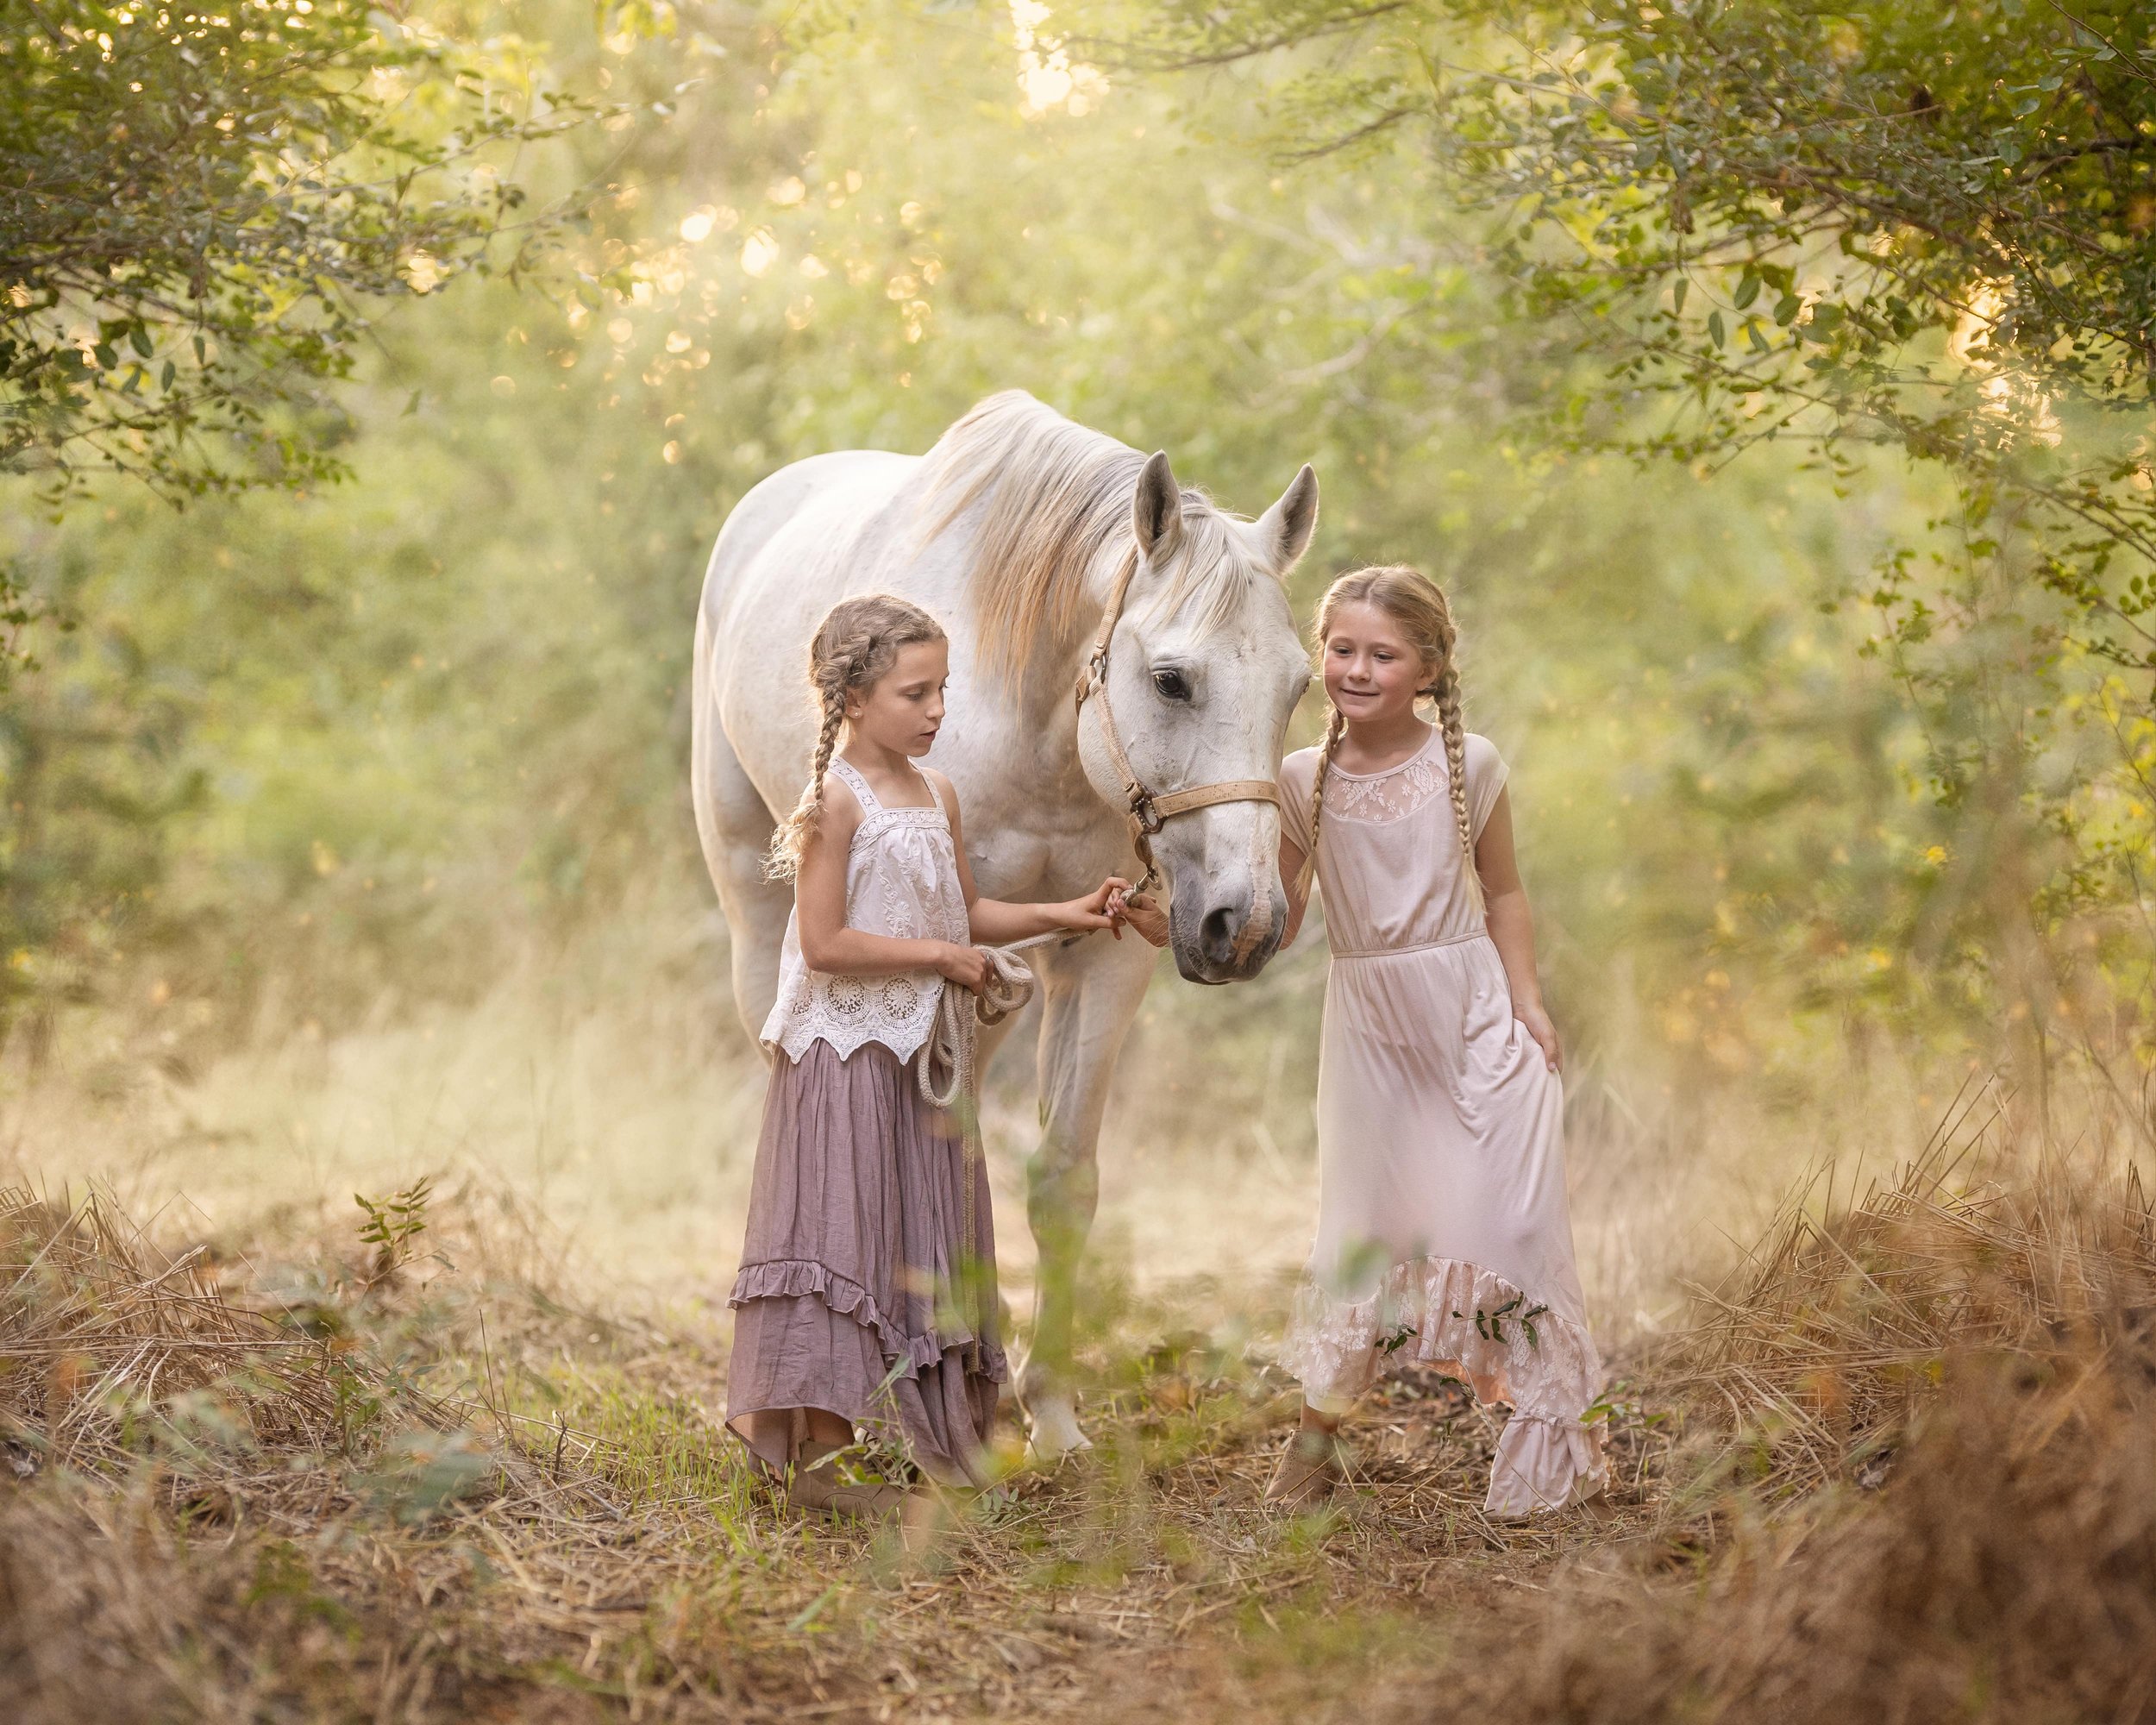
(951,1048)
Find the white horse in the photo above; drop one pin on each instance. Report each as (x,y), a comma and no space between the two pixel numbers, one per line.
(1012,531)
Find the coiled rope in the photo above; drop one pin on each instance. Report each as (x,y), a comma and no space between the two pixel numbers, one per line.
(951,1050)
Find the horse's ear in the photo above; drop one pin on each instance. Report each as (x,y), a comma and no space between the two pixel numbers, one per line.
(1285,528)
(1157,512)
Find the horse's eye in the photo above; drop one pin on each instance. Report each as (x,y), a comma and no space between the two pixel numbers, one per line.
(1171,685)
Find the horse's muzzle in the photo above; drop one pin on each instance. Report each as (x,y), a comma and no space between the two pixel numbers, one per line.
(1228,941)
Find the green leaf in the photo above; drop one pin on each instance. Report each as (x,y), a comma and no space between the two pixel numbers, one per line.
(106,356)
(1683,287)
(1747,291)
(164,377)
(1715,329)
(1785,311)
(138,339)
(809,1613)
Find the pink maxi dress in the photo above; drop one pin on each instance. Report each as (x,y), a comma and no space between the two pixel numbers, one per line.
(1443,1232)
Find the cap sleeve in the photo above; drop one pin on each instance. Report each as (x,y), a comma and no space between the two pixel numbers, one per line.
(1486,775)
(1297,773)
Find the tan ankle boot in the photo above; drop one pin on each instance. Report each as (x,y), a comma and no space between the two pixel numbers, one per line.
(813,1485)
(1312,1467)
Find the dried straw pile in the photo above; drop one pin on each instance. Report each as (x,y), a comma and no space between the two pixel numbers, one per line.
(109,1349)
(148,1420)
(1841,1325)
(1933,1489)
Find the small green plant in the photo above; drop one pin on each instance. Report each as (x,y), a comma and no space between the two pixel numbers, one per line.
(392,1224)
(1490,1326)
(420,1472)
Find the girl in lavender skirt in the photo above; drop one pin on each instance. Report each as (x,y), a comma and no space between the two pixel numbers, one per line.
(860,1303)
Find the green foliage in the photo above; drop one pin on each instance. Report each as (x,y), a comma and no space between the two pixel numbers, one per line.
(420,1473)
(1721,224)
(306,758)
(202,211)
(1828,186)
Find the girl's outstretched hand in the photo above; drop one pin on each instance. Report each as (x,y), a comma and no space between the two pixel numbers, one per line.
(1535,1018)
(1148,919)
(1095,910)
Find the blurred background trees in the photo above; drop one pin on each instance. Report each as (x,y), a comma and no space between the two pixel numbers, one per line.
(1921,228)
(1822,748)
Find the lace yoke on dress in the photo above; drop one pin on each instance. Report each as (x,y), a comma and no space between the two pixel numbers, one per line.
(902,881)
(1390,795)
(1390,865)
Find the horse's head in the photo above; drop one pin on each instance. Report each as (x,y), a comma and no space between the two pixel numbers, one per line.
(1204,667)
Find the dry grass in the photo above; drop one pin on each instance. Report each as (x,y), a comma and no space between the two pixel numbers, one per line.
(1927,1422)
(115,1349)
(1900,1459)
(528,1509)
(1841,1325)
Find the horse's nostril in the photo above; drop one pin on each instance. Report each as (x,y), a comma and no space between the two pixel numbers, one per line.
(1216,935)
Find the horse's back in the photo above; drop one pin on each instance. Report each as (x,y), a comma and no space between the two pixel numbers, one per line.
(795,544)
(810,506)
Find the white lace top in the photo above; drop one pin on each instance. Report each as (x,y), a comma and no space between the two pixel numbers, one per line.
(902,880)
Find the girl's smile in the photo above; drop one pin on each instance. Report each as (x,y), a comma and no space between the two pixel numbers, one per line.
(1372,671)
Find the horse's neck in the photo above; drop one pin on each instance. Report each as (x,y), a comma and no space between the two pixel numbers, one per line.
(1021,735)
(1048,689)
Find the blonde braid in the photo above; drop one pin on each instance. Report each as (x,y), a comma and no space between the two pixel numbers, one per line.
(798,828)
(855,646)
(1448,696)
(1335,728)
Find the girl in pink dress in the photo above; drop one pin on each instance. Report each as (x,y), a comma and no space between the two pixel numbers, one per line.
(1443,1232)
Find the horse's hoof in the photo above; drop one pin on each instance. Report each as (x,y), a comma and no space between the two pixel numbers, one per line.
(1056,1432)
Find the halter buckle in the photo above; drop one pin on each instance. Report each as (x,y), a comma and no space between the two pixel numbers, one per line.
(1090,680)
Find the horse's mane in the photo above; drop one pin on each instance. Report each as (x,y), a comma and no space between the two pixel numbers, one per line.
(1055,494)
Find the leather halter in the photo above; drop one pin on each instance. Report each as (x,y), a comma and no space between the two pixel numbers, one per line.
(1146,810)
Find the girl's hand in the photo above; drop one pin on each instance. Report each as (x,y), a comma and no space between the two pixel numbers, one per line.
(1095,910)
(1147,917)
(968,966)
(1534,1019)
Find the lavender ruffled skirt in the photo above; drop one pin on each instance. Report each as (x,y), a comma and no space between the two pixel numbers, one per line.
(850,1296)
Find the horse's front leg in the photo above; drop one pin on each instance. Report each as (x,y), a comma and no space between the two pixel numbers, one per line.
(1091,994)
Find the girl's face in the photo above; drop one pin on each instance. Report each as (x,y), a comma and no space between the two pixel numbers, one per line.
(1371,669)
(903,709)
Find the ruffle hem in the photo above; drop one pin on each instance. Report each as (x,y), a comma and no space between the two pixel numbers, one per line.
(795,1279)
(1471,1324)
